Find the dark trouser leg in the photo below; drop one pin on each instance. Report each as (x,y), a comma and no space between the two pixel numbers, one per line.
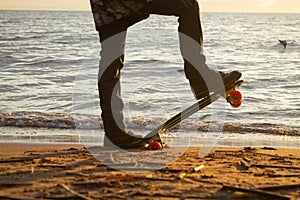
(201,77)
(112,38)
(112,57)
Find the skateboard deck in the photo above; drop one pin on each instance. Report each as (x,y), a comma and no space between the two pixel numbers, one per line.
(153,140)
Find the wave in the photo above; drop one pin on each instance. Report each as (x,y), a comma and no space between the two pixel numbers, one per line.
(37,120)
(23,38)
(79,121)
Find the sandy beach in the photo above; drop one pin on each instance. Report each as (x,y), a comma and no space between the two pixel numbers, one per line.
(48,171)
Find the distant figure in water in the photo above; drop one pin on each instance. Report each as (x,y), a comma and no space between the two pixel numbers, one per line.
(283,42)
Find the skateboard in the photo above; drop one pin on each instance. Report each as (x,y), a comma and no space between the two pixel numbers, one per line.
(153,140)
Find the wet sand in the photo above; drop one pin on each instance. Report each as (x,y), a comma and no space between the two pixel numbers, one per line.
(47,171)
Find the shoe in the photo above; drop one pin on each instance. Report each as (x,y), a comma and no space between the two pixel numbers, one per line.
(124,141)
(227,78)
(230,78)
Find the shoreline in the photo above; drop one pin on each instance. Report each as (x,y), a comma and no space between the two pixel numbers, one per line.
(41,171)
(226,140)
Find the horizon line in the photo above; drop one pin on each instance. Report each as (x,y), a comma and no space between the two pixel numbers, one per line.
(75,10)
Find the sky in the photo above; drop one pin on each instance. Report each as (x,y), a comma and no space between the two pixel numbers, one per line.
(275,6)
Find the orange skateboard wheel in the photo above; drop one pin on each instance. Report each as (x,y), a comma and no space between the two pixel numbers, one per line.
(235,97)
(155,146)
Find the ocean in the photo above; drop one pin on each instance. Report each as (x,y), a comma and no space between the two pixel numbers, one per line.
(49,64)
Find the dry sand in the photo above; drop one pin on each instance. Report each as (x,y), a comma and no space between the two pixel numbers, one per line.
(45,171)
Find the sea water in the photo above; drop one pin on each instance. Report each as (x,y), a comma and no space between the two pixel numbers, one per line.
(45,55)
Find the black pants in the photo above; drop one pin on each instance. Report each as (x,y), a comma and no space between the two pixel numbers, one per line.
(112,39)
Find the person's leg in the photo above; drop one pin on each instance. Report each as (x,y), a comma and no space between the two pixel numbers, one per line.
(112,40)
(201,77)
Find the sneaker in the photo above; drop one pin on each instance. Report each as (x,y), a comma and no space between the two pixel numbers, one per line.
(124,141)
(230,78)
(227,78)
